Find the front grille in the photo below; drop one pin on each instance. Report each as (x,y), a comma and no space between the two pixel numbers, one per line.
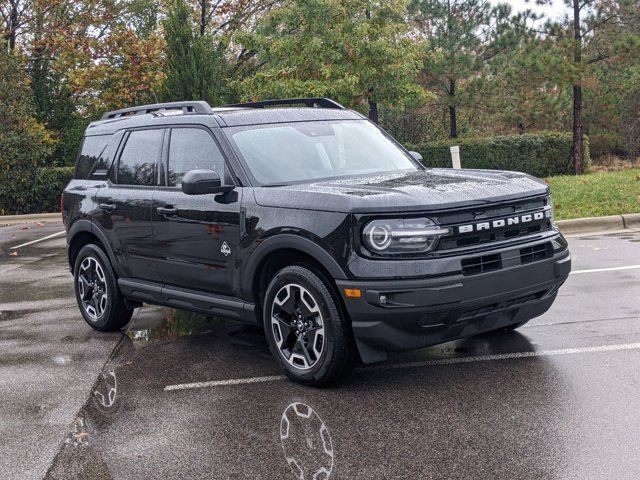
(480,238)
(473,216)
(535,253)
(476,265)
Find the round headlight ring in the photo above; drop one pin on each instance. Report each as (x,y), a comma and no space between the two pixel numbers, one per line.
(380,237)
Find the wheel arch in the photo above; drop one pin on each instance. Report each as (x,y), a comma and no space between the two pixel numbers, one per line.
(278,252)
(82,233)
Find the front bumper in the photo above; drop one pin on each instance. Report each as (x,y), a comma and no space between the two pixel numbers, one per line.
(428,311)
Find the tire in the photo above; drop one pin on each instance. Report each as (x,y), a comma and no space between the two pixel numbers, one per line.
(99,299)
(306,331)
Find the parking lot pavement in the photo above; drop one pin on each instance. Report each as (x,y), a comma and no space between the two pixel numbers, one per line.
(180,395)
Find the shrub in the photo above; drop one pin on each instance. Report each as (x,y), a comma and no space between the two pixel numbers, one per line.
(43,195)
(540,154)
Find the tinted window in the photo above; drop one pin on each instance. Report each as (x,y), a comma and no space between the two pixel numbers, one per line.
(137,165)
(90,156)
(191,149)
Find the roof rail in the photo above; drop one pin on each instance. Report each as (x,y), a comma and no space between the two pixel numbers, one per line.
(317,102)
(186,107)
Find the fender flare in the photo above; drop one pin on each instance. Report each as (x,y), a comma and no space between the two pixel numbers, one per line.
(86,226)
(289,241)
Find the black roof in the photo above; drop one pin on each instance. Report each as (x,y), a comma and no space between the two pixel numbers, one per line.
(255,113)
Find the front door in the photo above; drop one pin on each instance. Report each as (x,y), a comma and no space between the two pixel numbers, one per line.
(197,236)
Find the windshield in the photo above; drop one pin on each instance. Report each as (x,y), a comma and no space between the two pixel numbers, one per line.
(308,151)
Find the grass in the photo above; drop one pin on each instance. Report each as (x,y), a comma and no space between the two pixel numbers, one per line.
(596,194)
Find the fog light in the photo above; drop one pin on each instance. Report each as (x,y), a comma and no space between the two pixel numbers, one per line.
(383,299)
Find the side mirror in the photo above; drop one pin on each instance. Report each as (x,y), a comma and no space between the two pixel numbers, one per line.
(201,182)
(416,156)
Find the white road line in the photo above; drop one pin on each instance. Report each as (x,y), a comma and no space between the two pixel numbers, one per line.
(608,269)
(425,363)
(220,383)
(38,240)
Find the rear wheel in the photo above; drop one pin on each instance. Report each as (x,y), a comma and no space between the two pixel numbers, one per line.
(305,329)
(100,301)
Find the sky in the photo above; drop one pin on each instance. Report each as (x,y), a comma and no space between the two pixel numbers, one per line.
(554,11)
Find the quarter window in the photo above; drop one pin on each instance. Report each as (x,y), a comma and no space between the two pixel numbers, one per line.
(192,149)
(91,155)
(137,165)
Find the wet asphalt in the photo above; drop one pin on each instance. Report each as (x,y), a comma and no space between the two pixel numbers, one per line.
(560,398)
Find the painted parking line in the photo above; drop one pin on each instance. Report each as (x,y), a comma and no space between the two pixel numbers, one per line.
(608,269)
(425,363)
(53,235)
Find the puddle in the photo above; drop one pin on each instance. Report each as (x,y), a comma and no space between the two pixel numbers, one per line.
(161,324)
(62,360)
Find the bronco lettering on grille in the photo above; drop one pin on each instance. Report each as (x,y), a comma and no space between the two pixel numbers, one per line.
(504,222)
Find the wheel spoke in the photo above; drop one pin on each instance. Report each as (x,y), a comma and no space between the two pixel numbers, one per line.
(303,350)
(85,288)
(286,331)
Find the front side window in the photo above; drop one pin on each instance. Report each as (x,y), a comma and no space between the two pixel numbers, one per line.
(310,151)
(192,149)
(137,165)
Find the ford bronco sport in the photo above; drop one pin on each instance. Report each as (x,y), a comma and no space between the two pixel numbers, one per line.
(306,219)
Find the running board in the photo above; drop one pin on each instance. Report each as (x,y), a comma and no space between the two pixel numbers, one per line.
(201,302)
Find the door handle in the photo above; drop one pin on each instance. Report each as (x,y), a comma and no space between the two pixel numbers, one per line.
(167,211)
(108,207)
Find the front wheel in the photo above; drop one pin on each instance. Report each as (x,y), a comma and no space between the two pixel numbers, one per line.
(305,329)
(100,301)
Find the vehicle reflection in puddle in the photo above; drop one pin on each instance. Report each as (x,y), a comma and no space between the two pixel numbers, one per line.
(106,390)
(152,324)
(306,442)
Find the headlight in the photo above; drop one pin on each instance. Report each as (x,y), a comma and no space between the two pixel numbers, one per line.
(549,213)
(393,236)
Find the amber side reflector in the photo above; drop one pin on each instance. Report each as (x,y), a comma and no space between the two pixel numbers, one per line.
(353,292)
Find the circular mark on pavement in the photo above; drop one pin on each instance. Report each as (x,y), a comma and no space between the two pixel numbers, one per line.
(306,442)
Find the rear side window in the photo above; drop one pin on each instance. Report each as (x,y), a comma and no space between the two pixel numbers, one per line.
(191,149)
(91,155)
(139,157)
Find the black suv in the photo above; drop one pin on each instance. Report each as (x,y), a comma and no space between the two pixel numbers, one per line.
(309,220)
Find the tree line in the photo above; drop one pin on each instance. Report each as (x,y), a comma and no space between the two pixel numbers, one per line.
(424,69)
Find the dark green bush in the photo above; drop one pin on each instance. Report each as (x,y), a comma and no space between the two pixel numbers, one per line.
(43,195)
(540,154)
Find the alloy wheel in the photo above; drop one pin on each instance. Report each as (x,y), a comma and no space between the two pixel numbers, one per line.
(92,287)
(298,327)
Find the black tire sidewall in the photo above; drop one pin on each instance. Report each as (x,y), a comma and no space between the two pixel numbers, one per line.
(106,321)
(333,355)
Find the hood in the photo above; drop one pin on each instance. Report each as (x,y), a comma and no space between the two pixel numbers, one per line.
(432,189)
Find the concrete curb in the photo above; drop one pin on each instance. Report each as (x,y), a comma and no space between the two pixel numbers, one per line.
(611,223)
(38,217)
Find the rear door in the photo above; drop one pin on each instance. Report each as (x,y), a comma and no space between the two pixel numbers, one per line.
(126,200)
(197,236)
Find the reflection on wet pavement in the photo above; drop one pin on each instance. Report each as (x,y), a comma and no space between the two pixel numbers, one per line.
(306,442)
(153,324)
